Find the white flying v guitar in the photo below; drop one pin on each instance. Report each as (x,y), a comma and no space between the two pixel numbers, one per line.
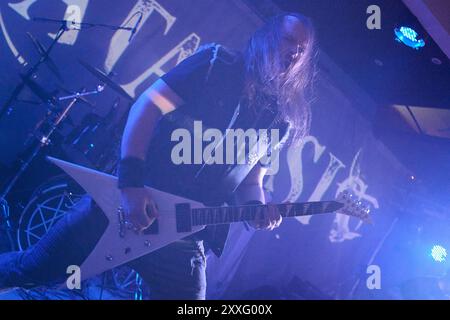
(178,218)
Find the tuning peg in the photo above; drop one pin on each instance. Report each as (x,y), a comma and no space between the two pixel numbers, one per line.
(365,209)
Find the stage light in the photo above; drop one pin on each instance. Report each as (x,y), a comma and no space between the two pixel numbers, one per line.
(439,253)
(408,37)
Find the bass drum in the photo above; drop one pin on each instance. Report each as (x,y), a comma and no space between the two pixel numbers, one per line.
(51,201)
(48,203)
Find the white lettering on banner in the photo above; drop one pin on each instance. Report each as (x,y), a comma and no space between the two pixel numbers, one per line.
(22,8)
(324,183)
(183,50)
(75,12)
(341,230)
(119,41)
(354,183)
(295,165)
(10,43)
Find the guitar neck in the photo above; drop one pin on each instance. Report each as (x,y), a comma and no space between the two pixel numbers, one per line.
(225,215)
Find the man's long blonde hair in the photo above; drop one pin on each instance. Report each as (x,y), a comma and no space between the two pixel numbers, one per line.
(268,80)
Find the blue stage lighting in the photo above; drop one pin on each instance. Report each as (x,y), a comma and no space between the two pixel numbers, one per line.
(439,253)
(408,37)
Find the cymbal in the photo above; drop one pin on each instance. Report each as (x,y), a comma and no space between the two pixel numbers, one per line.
(105,79)
(82,99)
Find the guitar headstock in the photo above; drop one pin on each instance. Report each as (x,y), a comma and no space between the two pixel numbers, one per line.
(353,207)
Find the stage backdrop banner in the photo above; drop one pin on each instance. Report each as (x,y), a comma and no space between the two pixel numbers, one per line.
(329,252)
(167,32)
(330,255)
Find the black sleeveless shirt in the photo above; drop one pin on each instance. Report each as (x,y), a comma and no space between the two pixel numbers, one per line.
(211,83)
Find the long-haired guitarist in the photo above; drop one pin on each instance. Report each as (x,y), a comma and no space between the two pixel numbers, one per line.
(265,87)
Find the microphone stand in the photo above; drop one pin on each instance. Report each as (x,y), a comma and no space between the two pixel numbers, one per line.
(6,108)
(28,75)
(5,218)
(83,24)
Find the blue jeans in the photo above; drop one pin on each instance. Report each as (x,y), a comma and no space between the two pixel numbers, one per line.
(177,271)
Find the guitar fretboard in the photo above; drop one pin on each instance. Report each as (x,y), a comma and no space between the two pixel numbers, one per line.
(223,215)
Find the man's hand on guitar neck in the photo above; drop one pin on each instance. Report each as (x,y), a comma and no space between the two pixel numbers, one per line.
(139,208)
(270,219)
(250,191)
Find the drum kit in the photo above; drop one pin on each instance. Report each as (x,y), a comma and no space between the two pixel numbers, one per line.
(94,142)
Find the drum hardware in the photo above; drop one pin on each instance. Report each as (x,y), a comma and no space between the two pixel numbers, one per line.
(49,61)
(6,221)
(44,57)
(44,53)
(27,80)
(56,114)
(96,141)
(72,24)
(106,79)
(81,95)
(29,101)
(43,140)
(39,91)
(48,202)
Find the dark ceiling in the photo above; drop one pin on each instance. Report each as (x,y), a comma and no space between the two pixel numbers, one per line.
(406,76)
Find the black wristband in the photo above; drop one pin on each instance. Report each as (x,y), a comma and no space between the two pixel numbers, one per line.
(131,173)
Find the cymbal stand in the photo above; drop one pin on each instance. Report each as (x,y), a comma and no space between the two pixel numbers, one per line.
(43,141)
(29,74)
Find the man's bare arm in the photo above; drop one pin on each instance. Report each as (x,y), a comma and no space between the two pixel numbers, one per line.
(251,189)
(144,115)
